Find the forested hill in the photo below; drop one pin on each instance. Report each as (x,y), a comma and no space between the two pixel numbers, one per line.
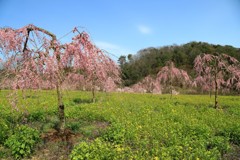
(148,61)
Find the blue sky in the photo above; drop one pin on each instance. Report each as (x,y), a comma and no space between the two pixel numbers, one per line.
(125,26)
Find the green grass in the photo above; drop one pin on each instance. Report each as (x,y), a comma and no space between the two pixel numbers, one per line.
(147,126)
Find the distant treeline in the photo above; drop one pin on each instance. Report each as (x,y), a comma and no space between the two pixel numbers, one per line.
(148,61)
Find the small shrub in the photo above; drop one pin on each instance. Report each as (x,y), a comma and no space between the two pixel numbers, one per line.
(115,134)
(37,116)
(235,135)
(22,141)
(219,142)
(233,132)
(74,126)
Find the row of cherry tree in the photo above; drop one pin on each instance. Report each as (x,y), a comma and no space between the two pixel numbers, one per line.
(213,72)
(33,58)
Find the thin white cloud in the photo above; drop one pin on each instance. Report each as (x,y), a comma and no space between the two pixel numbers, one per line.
(144,29)
(106,45)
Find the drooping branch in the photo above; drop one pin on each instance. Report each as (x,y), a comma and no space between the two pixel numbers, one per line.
(25,43)
(31,27)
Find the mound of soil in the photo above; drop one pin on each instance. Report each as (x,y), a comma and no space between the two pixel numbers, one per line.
(58,146)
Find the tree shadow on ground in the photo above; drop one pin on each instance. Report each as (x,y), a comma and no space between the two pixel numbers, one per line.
(81,101)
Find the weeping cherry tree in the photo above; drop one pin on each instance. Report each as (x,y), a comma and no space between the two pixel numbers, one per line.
(217,71)
(169,75)
(36,59)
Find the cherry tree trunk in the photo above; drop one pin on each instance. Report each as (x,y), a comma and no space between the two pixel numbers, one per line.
(211,87)
(216,92)
(171,87)
(61,125)
(210,91)
(93,90)
(93,94)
